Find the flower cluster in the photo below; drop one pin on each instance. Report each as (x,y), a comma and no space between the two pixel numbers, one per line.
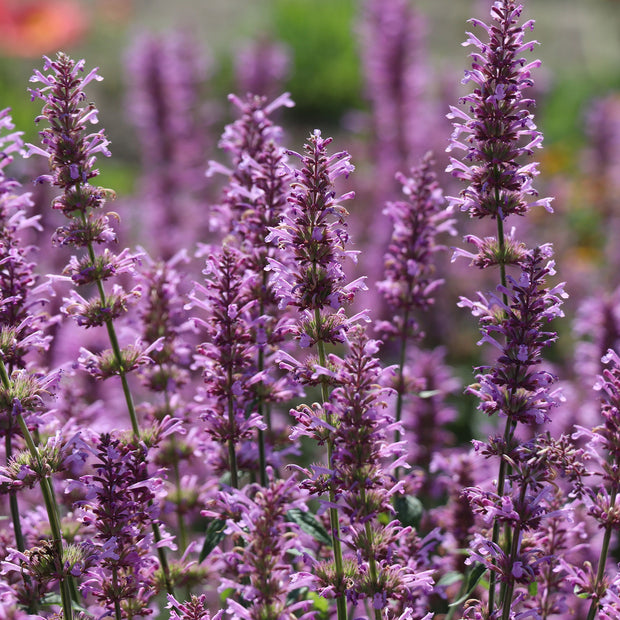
(499,128)
(515,324)
(313,230)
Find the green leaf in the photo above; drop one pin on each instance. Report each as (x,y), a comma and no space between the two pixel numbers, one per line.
(225,594)
(472,582)
(409,510)
(309,524)
(449,578)
(214,534)
(320,604)
(532,588)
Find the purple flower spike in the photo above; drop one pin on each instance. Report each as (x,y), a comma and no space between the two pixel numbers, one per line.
(314,231)
(499,128)
(516,327)
(227,357)
(20,325)
(409,283)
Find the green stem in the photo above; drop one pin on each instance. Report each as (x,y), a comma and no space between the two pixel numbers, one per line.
(515,543)
(462,589)
(509,427)
(372,563)
(13,503)
(602,560)
(118,614)
(341,602)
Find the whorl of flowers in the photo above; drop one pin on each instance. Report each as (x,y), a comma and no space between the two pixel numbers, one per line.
(498,129)
(313,230)
(514,321)
(409,283)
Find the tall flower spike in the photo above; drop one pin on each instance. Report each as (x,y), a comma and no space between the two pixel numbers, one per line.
(254,198)
(499,128)
(313,234)
(409,283)
(72,153)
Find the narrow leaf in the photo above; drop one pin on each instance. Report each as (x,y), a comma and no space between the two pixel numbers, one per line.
(309,524)
(214,534)
(472,582)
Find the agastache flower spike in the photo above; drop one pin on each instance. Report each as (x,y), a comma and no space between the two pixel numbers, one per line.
(72,153)
(496,135)
(265,548)
(167,73)
(602,499)
(409,284)
(499,128)
(227,356)
(314,231)
(22,385)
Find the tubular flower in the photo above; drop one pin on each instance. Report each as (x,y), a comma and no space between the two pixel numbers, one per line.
(499,128)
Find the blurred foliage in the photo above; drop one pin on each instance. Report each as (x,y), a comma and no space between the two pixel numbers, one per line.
(326,81)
